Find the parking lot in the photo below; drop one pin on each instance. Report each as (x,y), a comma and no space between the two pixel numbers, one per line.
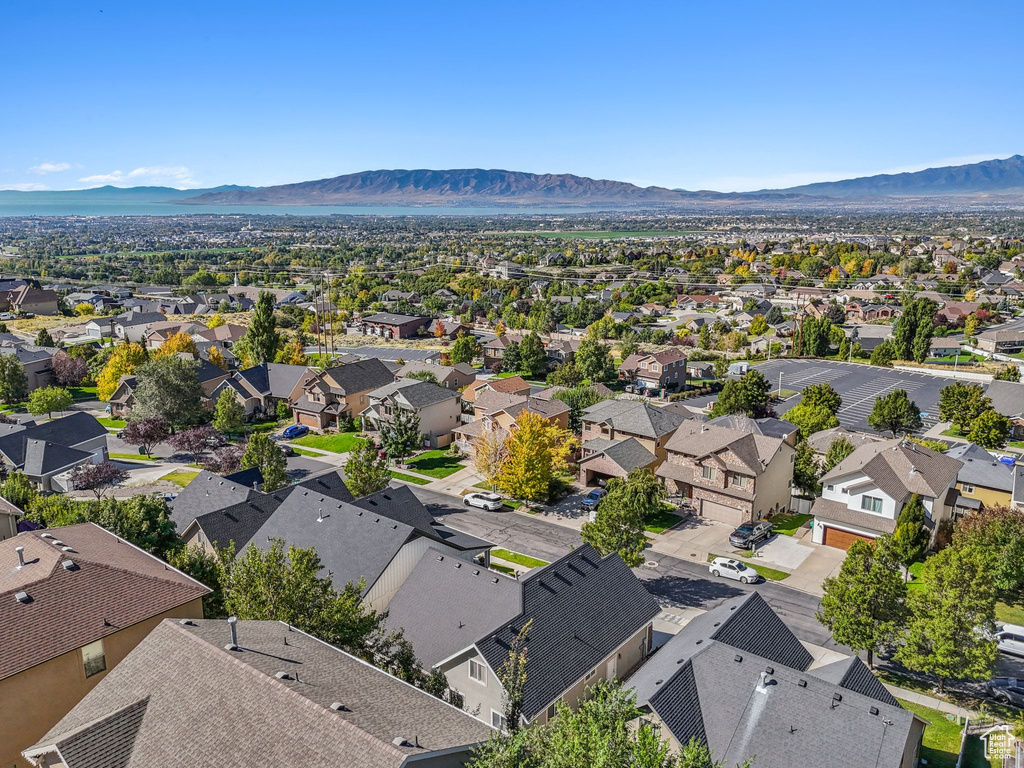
(858,385)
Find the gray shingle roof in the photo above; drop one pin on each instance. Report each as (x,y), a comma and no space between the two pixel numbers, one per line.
(206,493)
(69,431)
(704,684)
(981,468)
(1007,397)
(43,458)
(360,376)
(768,426)
(419,394)
(206,705)
(838,512)
(626,454)
(583,607)
(633,417)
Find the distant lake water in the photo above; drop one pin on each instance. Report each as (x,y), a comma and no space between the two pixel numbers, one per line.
(56,207)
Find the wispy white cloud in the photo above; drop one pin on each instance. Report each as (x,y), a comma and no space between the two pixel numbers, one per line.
(44,168)
(26,187)
(174,176)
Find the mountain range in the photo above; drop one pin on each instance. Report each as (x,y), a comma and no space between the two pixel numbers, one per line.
(993,180)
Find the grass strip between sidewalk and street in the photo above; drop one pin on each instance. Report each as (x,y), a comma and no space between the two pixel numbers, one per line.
(409,478)
(517,558)
(180,477)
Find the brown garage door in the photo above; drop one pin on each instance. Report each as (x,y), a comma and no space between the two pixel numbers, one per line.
(842,539)
(712,510)
(309,419)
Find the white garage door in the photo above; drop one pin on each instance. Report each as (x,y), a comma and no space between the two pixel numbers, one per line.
(712,510)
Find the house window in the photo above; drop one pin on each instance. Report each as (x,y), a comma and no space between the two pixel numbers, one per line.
(476,672)
(830,487)
(740,481)
(708,473)
(93,659)
(644,366)
(871,504)
(590,674)
(967,488)
(551,711)
(498,720)
(654,367)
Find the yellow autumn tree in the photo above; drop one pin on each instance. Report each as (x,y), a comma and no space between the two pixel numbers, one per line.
(123,362)
(536,449)
(293,354)
(217,358)
(179,342)
(215,321)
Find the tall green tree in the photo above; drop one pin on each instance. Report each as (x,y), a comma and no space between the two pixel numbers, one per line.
(262,340)
(999,530)
(806,471)
(619,522)
(49,399)
(896,413)
(594,360)
(990,430)
(44,339)
(883,355)
(510,360)
(909,539)
(810,419)
(464,349)
(822,396)
(748,396)
(228,413)
(512,674)
(209,570)
(263,453)
(961,404)
(366,470)
(952,617)
(913,330)
(168,388)
(863,605)
(840,448)
(578,399)
(567,374)
(533,359)
(401,436)
(13,381)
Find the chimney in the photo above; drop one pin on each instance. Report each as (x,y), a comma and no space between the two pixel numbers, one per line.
(21,556)
(232,625)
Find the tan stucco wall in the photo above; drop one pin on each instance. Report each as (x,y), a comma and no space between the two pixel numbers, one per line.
(34,701)
(987,496)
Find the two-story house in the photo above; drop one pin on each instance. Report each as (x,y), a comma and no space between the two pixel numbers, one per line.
(498,412)
(259,389)
(621,435)
(983,480)
(657,370)
(1008,399)
(589,619)
(437,408)
(45,453)
(453,377)
(729,476)
(863,494)
(339,392)
(75,601)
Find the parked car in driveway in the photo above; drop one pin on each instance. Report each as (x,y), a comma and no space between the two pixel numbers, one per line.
(733,569)
(1010,639)
(294,431)
(287,450)
(593,498)
(1006,690)
(750,534)
(491,501)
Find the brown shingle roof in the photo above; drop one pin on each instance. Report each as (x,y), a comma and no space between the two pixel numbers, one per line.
(510,385)
(205,705)
(749,452)
(838,512)
(112,586)
(900,467)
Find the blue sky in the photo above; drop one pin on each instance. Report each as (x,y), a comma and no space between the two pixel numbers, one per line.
(713,95)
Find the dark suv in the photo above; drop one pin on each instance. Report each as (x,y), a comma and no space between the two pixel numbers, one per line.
(749,534)
(1006,690)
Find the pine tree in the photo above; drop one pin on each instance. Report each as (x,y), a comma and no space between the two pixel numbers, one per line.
(228,413)
(262,339)
(263,453)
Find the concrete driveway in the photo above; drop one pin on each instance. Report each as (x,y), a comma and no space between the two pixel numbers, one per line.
(784,551)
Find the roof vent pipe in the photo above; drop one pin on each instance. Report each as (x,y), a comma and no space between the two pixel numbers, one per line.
(233,626)
(21,556)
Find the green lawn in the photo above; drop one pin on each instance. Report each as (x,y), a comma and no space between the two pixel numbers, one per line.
(941,746)
(1011,614)
(769,574)
(112,423)
(409,478)
(342,442)
(83,393)
(503,569)
(437,463)
(788,525)
(518,559)
(307,453)
(131,457)
(180,477)
(660,521)
(783,393)
(265,426)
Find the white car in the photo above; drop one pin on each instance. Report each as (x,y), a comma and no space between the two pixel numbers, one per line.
(733,569)
(491,501)
(1010,639)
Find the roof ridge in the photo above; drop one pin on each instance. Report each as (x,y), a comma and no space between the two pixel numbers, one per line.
(217,653)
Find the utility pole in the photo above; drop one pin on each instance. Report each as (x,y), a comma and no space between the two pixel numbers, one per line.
(316,320)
